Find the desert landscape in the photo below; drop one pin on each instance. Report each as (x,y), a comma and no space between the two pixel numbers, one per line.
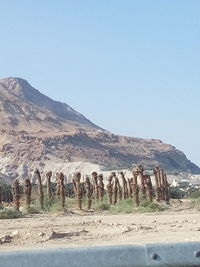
(179,223)
(66,182)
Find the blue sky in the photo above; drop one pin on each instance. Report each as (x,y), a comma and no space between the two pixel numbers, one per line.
(132,67)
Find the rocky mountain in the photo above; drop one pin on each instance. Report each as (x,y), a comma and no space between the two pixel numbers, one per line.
(24,108)
(37,131)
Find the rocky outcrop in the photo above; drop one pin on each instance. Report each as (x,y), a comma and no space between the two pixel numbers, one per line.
(36,131)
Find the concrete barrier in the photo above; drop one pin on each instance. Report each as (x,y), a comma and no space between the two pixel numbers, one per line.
(175,255)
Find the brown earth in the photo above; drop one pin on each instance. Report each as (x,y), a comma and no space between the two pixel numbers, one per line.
(178,224)
(36,131)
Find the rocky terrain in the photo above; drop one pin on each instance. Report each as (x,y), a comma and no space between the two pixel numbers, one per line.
(179,223)
(37,131)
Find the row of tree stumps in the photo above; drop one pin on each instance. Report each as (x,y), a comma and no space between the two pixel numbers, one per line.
(138,188)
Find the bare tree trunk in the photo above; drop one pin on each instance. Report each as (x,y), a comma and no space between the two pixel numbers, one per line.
(16,194)
(62,189)
(157,189)
(167,194)
(78,190)
(49,191)
(89,192)
(27,191)
(1,195)
(57,185)
(110,190)
(96,185)
(162,186)
(142,188)
(124,186)
(135,189)
(130,188)
(149,188)
(101,187)
(40,190)
(116,188)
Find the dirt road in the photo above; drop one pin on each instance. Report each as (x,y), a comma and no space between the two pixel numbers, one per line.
(179,223)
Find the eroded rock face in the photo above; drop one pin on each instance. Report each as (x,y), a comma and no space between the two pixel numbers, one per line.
(37,131)
(22,107)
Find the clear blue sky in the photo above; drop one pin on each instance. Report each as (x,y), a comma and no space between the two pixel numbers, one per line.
(132,67)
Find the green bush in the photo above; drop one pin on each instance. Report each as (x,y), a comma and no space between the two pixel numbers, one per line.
(9,214)
(127,206)
(33,210)
(194,194)
(102,206)
(176,193)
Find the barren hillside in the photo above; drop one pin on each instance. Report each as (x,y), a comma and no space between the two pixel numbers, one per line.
(37,131)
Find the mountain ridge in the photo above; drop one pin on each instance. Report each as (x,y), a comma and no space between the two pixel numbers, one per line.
(36,130)
(21,89)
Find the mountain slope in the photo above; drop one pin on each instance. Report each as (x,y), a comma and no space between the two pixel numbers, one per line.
(24,108)
(37,131)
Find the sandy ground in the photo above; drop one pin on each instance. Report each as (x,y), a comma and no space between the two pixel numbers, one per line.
(178,224)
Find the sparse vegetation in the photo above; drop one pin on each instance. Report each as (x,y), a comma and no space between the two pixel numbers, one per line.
(89,195)
(194,194)
(10,214)
(195,203)
(102,207)
(126,206)
(176,193)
